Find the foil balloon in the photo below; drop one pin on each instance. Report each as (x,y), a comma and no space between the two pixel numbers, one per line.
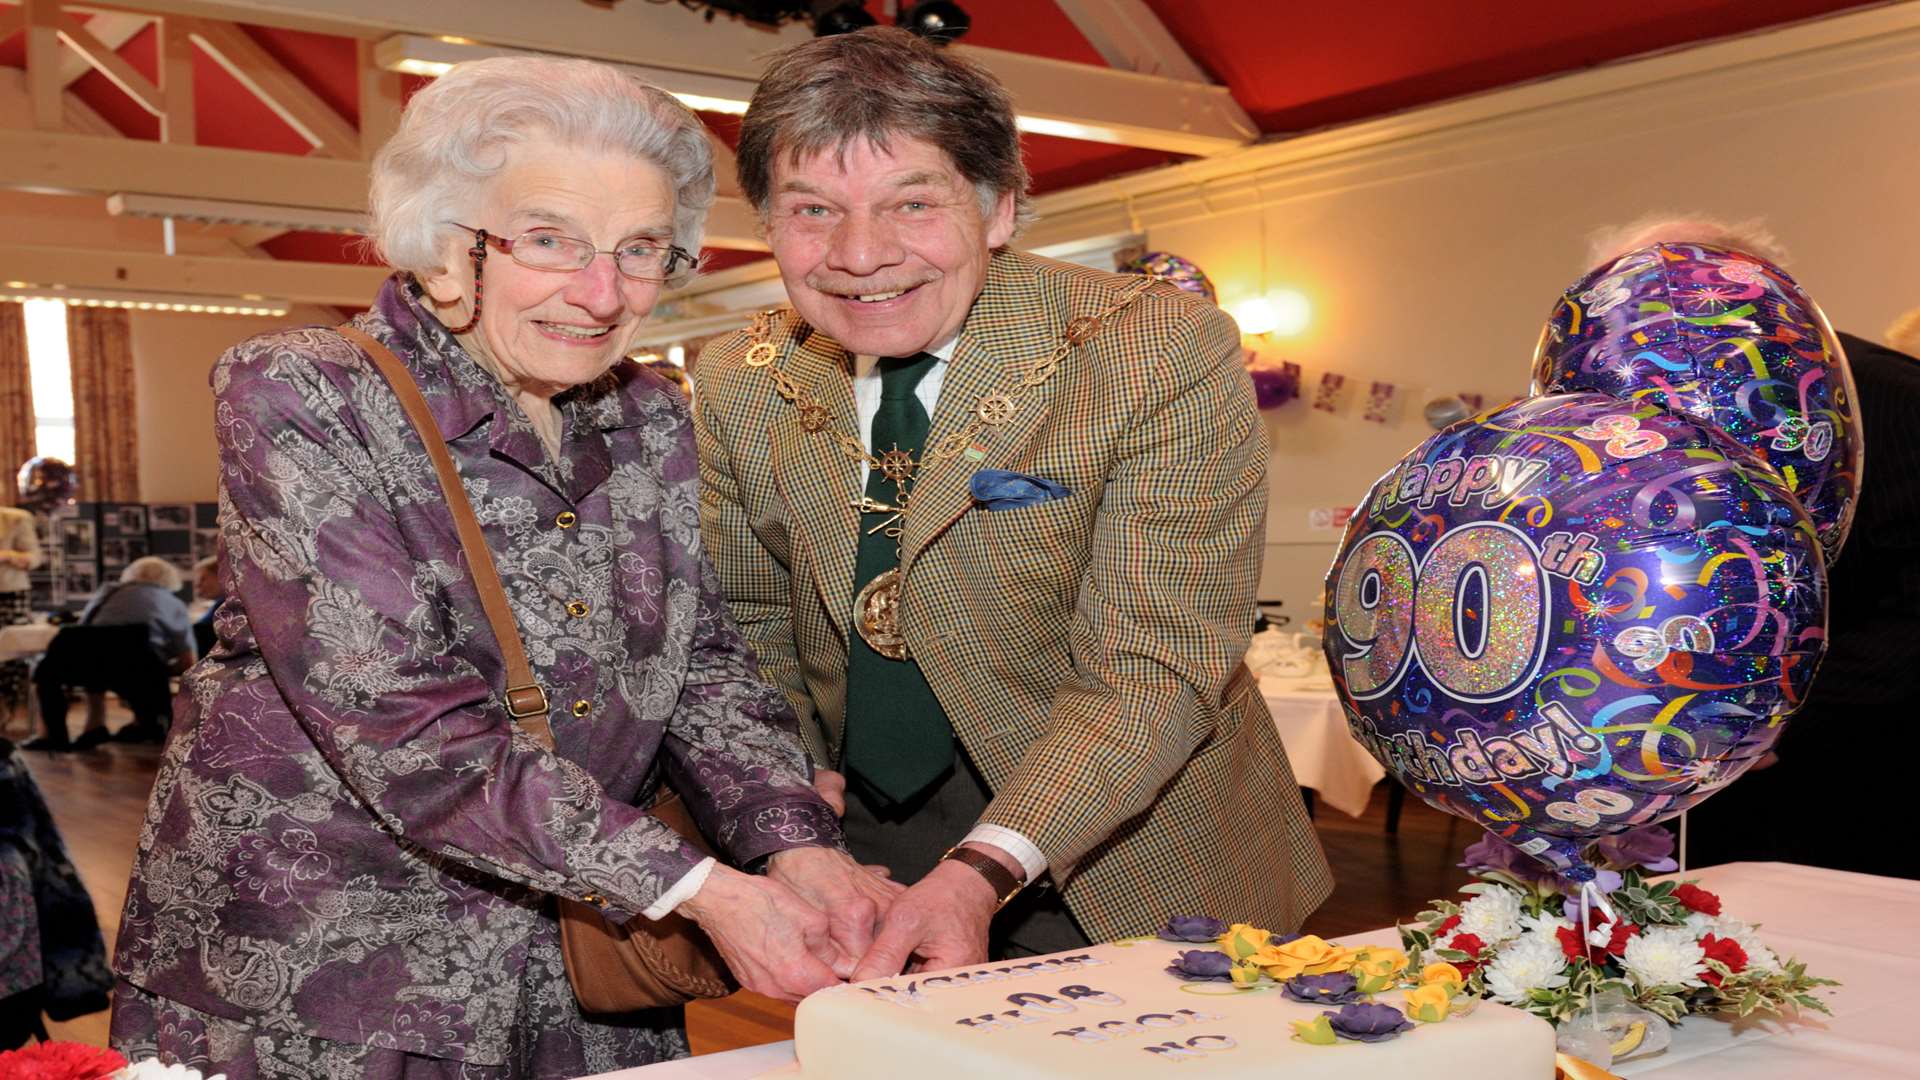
(1572,616)
(1181,272)
(1730,339)
(47,483)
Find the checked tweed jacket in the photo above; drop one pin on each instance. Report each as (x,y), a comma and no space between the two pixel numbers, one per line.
(1088,651)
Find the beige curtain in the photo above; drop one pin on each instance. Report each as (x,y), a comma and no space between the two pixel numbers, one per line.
(106,443)
(16,400)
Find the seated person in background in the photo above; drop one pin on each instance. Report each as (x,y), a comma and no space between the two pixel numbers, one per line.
(206,590)
(139,667)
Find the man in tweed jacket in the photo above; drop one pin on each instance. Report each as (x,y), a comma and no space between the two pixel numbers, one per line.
(1085,651)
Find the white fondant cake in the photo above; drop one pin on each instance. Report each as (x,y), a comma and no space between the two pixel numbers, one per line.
(1113,1011)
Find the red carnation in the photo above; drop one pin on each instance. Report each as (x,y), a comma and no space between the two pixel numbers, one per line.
(1616,942)
(1695,898)
(1725,950)
(1443,929)
(1468,943)
(60,1061)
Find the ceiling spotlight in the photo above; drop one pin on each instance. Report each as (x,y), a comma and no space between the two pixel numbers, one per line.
(839,17)
(941,21)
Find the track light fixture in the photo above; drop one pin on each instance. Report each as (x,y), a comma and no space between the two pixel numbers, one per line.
(940,21)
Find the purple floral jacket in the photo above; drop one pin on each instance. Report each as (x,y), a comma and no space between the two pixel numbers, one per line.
(347,837)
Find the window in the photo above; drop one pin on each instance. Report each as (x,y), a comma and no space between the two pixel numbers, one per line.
(52,374)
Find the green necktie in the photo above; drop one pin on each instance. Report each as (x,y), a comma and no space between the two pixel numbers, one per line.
(898,738)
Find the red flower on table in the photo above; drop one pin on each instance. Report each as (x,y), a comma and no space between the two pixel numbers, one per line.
(1695,898)
(1621,933)
(1725,950)
(1446,928)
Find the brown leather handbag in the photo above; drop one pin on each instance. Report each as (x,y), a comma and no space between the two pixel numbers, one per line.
(647,963)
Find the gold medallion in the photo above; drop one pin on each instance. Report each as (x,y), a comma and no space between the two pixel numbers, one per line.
(995,409)
(813,418)
(897,465)
(1082,329)
(876,614)
(761,355)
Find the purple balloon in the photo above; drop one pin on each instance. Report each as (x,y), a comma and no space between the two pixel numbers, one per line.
(1573,616)
(1730,339)
(1170,267)
(46,484)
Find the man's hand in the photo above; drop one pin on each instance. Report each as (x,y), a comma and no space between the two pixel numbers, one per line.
(774,942)
(852,896)
(942,920)
(832,789)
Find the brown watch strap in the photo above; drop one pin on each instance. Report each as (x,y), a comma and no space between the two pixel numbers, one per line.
(1005,885)
(525,700)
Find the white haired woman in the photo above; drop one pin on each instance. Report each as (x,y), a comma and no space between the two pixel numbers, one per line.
(350,856)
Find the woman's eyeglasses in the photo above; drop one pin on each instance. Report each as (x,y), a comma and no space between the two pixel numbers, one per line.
(544,249)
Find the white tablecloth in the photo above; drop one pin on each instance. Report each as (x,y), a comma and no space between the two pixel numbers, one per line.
(1324,755)
(28,639)
(1852,927)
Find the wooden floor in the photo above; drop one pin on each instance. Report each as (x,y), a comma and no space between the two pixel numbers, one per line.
(99,798)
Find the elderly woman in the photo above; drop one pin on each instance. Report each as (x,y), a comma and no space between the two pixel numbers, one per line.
(350,858)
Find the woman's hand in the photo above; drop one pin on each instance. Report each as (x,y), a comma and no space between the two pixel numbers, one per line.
(774,942)
(854,898)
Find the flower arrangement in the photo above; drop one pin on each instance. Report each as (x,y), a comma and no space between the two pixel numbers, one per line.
(1313,971)
(78,1061)
(60,1061)
(1664,948)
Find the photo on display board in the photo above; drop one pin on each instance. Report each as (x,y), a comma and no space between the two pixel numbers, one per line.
(114,552)
(133,520)
(171,516)
(206,543)
(76,538)
(80,581)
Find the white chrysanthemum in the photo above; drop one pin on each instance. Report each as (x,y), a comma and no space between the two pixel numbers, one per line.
(151,1069)
(1665,956)
(1532,962)
(1492,916)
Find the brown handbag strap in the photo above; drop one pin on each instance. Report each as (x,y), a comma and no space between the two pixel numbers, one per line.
(525,699)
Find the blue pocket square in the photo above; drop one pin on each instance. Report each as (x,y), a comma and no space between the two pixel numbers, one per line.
(998,489)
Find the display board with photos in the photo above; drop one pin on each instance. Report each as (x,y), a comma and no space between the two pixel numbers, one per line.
(91,543)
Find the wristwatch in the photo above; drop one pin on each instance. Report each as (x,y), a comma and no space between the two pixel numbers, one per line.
(1005,886)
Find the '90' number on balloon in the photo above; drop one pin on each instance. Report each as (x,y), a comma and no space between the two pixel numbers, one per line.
(1473,614)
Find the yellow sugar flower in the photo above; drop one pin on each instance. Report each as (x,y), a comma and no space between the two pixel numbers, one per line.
(1429,1004)
(1307,955)
(1376,968)
(1443,974)
(1241,941)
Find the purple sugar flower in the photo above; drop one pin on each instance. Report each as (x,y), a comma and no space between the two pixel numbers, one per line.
(1195,928)
(1337,988)
(1368,1023)
(1202,965)
(1649,847)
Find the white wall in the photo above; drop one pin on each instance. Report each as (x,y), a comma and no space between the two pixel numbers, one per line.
(173,354)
